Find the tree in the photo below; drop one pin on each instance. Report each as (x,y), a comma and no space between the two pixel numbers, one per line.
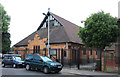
(4,33)
(100,30)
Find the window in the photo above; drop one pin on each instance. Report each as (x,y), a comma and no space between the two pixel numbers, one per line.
(90,51)
(36,49)
(46,59)
(58,53)
(9,57)
(39,49)
(18,58)
(51,23)
(64,53)
(53,51)
(29,57)
(56,23)
(36,57)
(84,51)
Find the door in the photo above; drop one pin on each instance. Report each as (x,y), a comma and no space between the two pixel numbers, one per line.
(9,60)
(37,62)
(29,60)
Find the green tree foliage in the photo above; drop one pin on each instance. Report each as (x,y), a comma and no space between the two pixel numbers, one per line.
(100,30)
(4,23)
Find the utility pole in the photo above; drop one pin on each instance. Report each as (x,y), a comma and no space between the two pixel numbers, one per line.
(48,45)
(48,33)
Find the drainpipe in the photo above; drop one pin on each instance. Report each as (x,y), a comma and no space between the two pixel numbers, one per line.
(67,51)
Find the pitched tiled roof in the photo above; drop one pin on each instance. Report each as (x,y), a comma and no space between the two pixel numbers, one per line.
(58,34)
(70,28)
(24,42)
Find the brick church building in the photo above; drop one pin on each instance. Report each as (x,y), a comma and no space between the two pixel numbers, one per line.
(64,41)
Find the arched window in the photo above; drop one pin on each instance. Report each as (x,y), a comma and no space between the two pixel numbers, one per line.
(39,49)
(34,49)
(90,51)
(84,51)
(64,53)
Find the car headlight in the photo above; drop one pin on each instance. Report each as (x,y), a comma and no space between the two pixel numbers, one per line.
(52,64)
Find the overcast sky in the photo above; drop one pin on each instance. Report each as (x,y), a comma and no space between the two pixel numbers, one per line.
(26,15)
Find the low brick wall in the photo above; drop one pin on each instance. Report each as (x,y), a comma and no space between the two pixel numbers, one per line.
(111,69)
(109,63)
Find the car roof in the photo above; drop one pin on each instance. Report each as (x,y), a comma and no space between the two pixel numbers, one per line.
(35,55)
(12,55)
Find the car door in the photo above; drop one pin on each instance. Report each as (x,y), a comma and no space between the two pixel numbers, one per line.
(37,62)
(10,60)
(30,61)
(7,60)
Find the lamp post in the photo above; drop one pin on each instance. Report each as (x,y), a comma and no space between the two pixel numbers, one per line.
(48,46)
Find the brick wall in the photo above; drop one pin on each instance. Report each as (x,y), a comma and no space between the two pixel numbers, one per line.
(70,49)
(109,63)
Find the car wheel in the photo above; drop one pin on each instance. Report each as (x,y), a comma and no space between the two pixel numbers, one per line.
(14,66)
(27,67)
(3,64)
(46,70)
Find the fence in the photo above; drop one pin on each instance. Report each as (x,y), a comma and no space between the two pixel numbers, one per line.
(71,60)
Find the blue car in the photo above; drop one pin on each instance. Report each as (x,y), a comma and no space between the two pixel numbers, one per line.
(13,60)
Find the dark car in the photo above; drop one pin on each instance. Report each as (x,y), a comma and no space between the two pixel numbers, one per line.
(42,63)
(12,59)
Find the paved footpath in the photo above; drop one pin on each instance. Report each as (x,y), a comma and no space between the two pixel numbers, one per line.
(87,73)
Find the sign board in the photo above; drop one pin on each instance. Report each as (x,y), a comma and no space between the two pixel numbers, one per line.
(53,51)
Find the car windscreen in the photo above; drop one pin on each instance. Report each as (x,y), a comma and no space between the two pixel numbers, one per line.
(18,58)
(46,59)
(8,57)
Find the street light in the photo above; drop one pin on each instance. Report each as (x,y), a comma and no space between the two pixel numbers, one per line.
(48,46)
